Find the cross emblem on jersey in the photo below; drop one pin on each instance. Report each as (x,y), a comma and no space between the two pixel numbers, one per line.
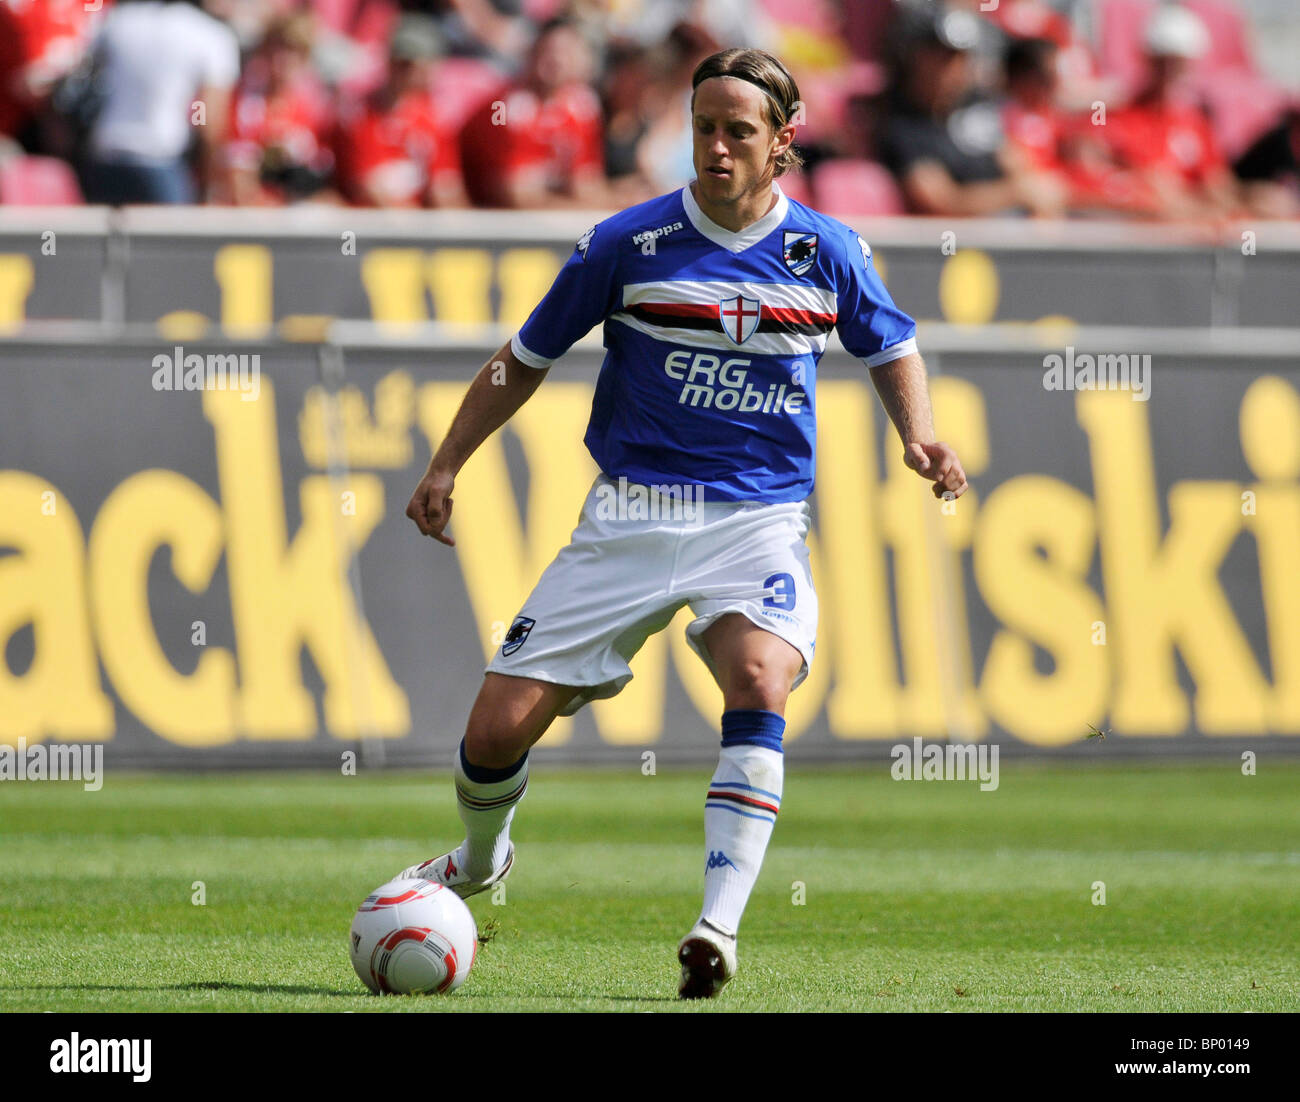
(739,317)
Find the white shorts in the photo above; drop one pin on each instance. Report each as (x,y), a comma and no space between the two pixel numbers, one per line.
(621,579)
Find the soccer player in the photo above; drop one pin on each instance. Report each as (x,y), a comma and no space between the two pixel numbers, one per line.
(716,301)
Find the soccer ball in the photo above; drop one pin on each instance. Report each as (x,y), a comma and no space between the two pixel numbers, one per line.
(413,937)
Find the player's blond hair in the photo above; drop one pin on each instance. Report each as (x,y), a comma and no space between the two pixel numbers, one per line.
(766,73)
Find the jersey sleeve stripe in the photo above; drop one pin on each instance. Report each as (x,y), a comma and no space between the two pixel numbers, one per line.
(526,357)
(893,352)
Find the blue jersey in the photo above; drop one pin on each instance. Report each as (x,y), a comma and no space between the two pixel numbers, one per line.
(713,339)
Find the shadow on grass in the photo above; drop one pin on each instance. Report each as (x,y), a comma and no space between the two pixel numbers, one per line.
(299,989)
(206,985)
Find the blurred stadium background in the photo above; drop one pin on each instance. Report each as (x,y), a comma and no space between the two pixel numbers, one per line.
(368,196)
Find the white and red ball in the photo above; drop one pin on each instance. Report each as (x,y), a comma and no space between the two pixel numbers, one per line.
(413,937)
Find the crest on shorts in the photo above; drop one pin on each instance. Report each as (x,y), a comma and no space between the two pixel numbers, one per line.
(739,317)
(799,251)
(517,635)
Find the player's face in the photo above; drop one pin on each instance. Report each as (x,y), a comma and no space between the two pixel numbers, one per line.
(735,146)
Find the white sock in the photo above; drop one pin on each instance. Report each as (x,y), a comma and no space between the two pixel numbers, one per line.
(486,801)
(739,813)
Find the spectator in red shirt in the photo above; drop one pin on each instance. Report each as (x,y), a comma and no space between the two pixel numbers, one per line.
(1166,141)
(393,151)
(1047,139)
(41,41)
(541,143)
(280,121)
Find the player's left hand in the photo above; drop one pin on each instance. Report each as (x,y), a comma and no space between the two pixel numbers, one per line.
(939,463)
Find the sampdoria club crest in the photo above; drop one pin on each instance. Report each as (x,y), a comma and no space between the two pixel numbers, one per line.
(799,251)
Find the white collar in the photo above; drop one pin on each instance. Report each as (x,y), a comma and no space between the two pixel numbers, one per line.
(750,235)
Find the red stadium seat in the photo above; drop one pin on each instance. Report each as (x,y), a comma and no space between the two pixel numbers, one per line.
(844,186)
(1242,107)
(38,182)
(796,186)
(1229,37)
(1120,26)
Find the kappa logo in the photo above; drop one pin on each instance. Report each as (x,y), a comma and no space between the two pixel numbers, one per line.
(517,635)
(719,860)
(584,242)
(866,252)
(799,251)
(662,231)
(739,317)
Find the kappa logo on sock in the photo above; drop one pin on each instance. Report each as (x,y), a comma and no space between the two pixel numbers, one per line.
(517,634)
(719,860)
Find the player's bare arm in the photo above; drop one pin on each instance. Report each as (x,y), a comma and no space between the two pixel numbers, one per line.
(905,394)
(502,385)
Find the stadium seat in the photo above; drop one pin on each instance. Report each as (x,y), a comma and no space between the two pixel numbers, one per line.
(1242,107)
(796,186)
(38,182)
(844,186)
(1120,26)
(1229,36)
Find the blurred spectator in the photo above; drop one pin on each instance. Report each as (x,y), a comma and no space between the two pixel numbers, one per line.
(1078,83)
(541,144)
(41,42)
(280,121)
(1166,141)
(249,19)
(1050,140)
(491,29)
(166,71)
(647,23)
(943,138)
(665,151)
(351,47)
(625,101)
(392,148)
(1270,169)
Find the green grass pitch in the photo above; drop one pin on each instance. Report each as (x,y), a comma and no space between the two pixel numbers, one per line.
(916,895)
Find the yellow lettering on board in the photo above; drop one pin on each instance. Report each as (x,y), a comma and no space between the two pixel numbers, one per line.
(153,509)
(1165,594)
(244,274)
(17,278)
(286,596)
(1043,600)
(1270,440)
(43,584)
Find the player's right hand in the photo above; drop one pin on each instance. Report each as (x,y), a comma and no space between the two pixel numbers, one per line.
(430,505)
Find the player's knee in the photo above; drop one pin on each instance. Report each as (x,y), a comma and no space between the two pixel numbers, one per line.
(494,745)
(498,732)
(758,683)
